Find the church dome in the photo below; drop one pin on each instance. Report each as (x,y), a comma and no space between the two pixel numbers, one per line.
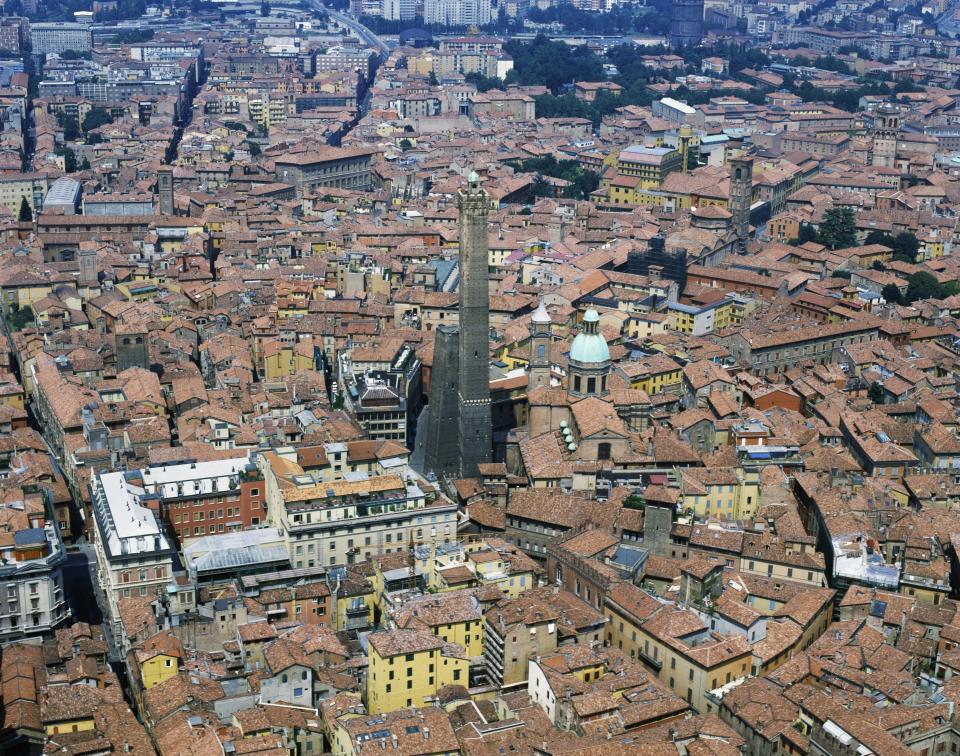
(589,347)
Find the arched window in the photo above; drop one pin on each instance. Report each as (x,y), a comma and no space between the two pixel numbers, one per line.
(541,351)
(739,174)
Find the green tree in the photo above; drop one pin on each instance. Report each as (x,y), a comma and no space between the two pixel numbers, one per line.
(406,144)
(69,158)
(432,79)
(254,149)
(879,237)
(265,8)
(875,393)
(807,234)
(923,285)
(891,293)
(553,64)
(71,129)
(95,118)
(838,229)
(25,214)
(906,246)
(19,318)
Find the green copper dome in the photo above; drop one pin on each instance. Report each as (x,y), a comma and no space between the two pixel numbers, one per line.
(589,346)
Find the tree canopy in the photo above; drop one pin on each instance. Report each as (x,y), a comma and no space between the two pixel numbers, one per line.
(838,228)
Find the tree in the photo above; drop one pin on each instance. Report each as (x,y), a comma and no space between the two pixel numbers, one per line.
(891,293)
(838,229)
(432,79)
(71,129)
(25,214)
(807,233)
(906,246)
(265,8)
(406,144)
(254,149)
(95,118)
(923,285)
(69,158)
(875,393)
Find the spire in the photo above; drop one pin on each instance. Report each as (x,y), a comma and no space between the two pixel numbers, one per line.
(540,315)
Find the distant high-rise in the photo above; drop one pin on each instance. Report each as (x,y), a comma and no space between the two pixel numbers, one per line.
(475,421)
(686,23)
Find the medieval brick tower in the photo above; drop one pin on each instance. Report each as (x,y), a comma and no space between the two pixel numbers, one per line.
(741,192)
(441,454)
(165,190)
(475,441)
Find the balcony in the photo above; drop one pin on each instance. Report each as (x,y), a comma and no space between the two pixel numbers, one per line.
(650,661)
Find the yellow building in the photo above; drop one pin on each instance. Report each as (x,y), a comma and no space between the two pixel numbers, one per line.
(650,164)
(407,668)
(454,618)
(653,374)
(74,723)
(355,605)
(158,659)
(158,668)
(22,290)
(727,491)
(688,657)
(281,360)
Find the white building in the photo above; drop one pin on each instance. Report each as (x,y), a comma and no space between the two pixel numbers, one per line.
(399,10)
(134,556)
(31,581)
(457,12)
(338,522)
(60,37)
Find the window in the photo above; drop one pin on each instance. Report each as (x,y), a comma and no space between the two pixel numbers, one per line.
(603,450)
(456,674)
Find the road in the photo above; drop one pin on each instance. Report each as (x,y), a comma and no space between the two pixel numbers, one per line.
(80,584)
(355,26)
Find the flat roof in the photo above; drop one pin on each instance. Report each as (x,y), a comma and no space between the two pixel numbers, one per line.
(130,527)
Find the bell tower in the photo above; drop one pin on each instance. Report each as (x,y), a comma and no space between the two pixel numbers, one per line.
(541,334)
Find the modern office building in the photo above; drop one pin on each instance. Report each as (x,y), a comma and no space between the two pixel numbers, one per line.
(60,37)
